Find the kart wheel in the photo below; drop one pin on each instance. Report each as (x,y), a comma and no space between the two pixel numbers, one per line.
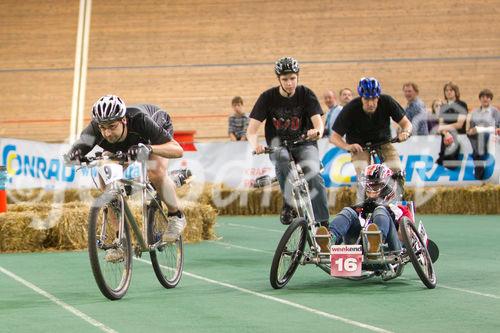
(418,253)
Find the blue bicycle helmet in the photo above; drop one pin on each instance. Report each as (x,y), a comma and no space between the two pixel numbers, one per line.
(369,87)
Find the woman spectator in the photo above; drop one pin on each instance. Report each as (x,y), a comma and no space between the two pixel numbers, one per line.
(452,116)
(433,116)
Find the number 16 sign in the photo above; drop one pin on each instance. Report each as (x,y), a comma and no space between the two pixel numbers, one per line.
(346,260)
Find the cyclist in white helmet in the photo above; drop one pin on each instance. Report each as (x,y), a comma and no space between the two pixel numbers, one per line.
(115,127)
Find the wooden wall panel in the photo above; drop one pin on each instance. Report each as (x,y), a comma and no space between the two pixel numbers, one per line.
(191,57)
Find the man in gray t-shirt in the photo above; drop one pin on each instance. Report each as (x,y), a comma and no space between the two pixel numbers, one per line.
(415,110)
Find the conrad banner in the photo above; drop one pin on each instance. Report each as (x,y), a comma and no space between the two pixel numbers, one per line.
(31,164)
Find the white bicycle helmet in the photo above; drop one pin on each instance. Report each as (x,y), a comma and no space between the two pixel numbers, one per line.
(108,108)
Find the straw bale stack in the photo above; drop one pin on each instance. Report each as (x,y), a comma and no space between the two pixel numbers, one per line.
(40,195)
(16,233)
(40,226)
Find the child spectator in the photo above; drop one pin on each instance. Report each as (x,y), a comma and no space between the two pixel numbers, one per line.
(238,121)
(481,123)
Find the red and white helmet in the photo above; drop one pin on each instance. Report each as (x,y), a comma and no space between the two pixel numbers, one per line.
(378,182)
(108,108)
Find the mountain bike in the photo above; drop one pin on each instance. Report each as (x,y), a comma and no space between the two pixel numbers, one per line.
(111,221)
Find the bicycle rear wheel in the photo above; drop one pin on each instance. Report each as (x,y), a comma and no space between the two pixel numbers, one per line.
(288,253)
(110,257)
(419,256)
(167,257)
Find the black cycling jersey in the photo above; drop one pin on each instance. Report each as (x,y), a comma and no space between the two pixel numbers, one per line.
(146,123)
(287,118)
(360,127)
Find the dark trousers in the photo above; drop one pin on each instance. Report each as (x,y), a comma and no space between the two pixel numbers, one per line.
(479,143)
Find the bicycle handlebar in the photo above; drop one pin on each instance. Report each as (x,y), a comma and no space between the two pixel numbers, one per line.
(92,160)
(369,146)
(286,144)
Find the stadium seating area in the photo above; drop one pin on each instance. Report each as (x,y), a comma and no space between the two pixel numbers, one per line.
(192,62)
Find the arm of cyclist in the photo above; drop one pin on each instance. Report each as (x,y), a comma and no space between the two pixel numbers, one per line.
(316,132)
(406,127)
(338,141)
(171,149)
(253,139)
(82,146)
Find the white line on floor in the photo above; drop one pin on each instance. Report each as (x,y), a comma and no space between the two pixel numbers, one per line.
(283,301)
(56,300)
(239,247)
(468,291)
(254,228)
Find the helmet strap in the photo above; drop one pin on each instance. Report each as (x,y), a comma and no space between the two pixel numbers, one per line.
(124,124)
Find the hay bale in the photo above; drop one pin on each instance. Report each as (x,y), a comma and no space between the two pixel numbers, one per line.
(17,233)
(39,195)
(198,192)
(42,226)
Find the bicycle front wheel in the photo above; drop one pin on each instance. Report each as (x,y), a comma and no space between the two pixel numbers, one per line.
(167,258)
(288,253)
(110,256)
(417,251)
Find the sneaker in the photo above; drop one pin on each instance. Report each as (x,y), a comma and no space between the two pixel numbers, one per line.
(323,239)
(175,227)
(373,239)
(114,255)
(287,215)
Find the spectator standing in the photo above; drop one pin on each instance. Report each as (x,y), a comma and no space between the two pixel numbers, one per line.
(334,109)
(238,121)
(433,116)
(345,96)
(415,109)
(481,123)
(452,118)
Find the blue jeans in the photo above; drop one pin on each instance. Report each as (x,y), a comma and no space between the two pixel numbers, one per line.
(307,156)
(345,227)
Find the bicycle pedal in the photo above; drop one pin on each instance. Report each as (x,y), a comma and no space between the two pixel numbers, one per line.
(137,252)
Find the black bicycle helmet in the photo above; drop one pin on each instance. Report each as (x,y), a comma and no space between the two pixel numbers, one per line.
(286,65)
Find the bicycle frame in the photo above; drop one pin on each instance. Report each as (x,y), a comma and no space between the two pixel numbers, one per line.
(302,202)
(148,195)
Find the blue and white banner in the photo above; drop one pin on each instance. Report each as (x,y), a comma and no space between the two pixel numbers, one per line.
(33,164)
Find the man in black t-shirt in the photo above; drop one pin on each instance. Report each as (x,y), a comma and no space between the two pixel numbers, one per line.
(115,127)
(291,111)
(368,119)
